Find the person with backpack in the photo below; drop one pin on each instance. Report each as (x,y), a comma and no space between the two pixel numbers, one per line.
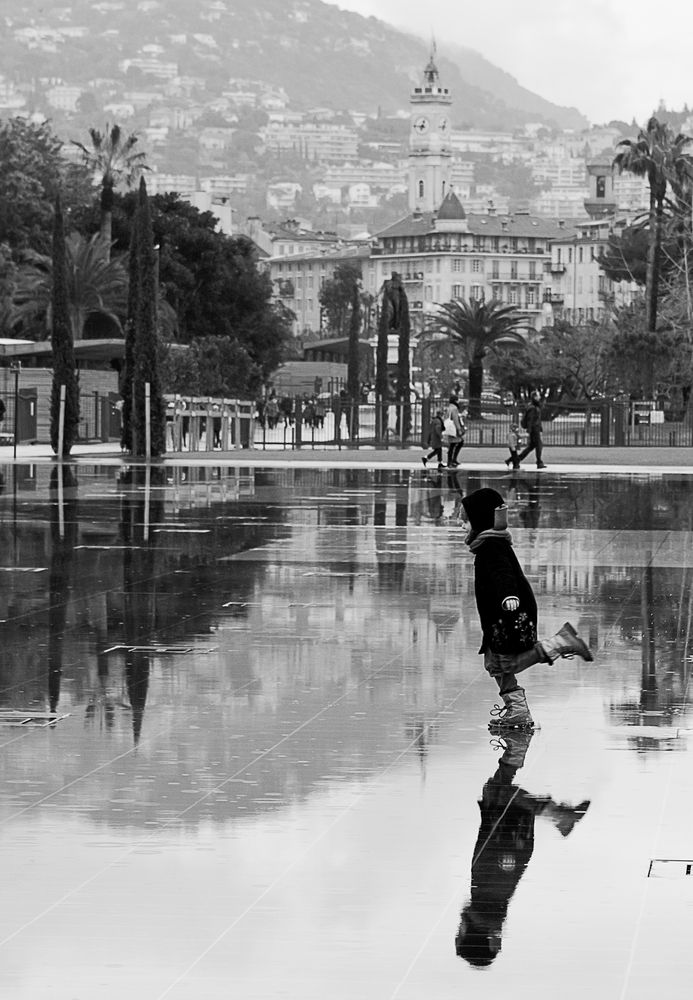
(531,422)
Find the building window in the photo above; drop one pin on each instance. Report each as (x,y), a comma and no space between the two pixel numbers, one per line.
(429,266)
(580,255)
(513,270)
(494,269)
(530,297)
(559,254)
(477,265)
(512,296)
(601,187)
(458,264)
(457,291)
(570,255)
(421,189)
(428,293)
(532,270)
(476,293)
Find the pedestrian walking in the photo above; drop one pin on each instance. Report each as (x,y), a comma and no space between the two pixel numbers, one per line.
(508,611)
(513,446)
(454,431)
(531,422)
(435,440)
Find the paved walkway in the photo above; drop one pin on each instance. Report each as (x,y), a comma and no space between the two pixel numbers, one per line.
(661,460)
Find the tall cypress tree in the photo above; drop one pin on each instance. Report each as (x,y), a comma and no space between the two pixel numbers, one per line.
(147,346)
(62,343)
(126,374)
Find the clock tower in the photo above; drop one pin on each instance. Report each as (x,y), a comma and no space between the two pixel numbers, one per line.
(430,156)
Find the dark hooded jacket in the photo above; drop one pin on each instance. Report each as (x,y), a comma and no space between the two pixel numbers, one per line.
(497,575)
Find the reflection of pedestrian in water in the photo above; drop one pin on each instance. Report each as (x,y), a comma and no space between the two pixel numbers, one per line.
(434,497)
(503,850)
(527,493)
(508,610)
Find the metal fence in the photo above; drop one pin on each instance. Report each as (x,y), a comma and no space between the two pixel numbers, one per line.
(206,424)
(347,425)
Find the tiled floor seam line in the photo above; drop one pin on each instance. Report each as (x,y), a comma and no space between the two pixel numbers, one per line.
(398,757)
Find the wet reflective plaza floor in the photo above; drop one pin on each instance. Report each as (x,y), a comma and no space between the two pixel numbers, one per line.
(245,748)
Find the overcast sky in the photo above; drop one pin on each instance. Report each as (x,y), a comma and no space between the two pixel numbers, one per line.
(609,58)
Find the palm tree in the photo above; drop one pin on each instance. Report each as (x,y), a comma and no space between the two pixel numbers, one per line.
(96,288)
(660,156)
(477,325)
(113,160)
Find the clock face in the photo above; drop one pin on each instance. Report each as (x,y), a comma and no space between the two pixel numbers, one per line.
(421,124)
(443,124)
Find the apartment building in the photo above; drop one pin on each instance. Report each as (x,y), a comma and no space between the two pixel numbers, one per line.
(579,291)
(320,141)
(298,279)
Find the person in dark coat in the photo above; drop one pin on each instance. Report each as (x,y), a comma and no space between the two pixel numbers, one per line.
(503,850)
(531,422)
(508,610)
(435,440)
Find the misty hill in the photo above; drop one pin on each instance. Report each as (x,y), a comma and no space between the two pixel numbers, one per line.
(318,53)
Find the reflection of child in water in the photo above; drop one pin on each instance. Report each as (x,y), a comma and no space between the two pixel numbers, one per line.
(503,850)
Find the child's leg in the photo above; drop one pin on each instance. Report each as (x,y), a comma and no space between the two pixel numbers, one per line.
(503,667)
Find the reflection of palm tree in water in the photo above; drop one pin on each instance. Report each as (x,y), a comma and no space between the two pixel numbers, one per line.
(503,850)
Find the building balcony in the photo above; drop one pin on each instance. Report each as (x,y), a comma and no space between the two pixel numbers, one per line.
(554,299)
(555,267)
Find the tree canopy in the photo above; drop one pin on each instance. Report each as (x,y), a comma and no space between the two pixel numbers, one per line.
(32,174)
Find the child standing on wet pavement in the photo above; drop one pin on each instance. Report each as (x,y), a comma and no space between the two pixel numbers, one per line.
(508,610)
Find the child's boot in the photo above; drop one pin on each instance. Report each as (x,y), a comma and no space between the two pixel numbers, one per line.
(566,642)
(515,744)
(513,714)
(565,817)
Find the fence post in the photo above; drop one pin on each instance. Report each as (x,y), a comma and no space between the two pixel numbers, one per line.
(605,426)
(298,410)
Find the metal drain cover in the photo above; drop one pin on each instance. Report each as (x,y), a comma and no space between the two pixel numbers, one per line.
(669,868)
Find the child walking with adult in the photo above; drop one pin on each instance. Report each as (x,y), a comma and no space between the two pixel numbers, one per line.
(435,440)
(513,446)
(508,611)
